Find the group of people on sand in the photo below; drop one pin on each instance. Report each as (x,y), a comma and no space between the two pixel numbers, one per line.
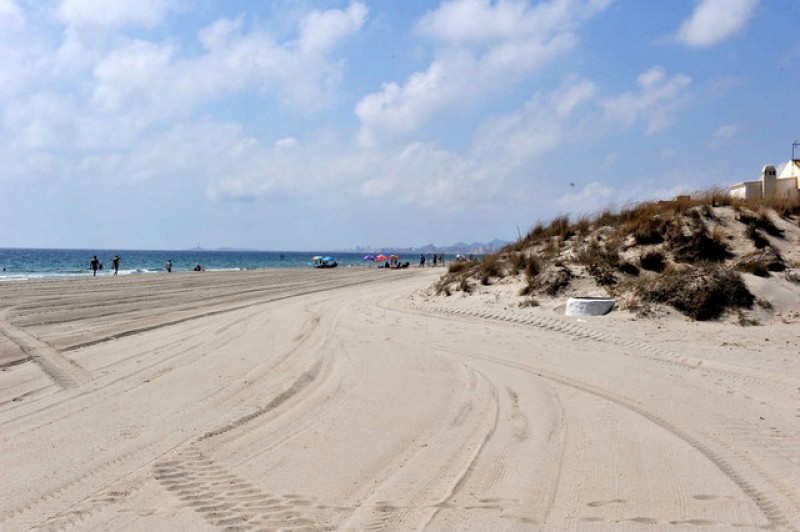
(395,265)
(95,264)
(437,258)
(168,267)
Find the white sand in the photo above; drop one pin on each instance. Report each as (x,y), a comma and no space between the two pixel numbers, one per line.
(348,399)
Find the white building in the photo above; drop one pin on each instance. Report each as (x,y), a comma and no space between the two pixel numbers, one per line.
(786,185)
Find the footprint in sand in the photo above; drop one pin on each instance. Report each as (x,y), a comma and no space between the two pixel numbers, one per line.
(706,497)
(696,522)
(644,520)
(597,504)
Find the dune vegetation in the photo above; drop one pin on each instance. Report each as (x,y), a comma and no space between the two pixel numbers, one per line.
(693,253)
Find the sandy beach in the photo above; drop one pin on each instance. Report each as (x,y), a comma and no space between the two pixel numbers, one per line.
(353,399)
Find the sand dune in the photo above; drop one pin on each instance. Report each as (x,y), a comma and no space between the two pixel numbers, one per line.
(349,399)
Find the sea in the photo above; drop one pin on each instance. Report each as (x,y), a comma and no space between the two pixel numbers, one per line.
(25,264)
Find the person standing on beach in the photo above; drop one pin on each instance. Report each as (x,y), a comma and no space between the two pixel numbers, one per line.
(94,264)
(421,260)
(168,266)
(115,263)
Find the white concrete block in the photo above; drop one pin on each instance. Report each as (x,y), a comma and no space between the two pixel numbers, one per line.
(589,306)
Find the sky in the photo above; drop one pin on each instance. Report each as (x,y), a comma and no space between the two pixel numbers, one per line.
(309,125)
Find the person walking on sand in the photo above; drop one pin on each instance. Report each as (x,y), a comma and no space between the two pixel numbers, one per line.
(115,263)
(168,266)
(421,260)
(94,264)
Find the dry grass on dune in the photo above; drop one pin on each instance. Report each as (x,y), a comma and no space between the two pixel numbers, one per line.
(688,253)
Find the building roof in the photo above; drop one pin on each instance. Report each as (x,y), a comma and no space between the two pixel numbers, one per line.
(745,183)
(792,169)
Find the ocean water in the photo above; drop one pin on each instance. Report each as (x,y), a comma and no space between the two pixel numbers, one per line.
(20,264)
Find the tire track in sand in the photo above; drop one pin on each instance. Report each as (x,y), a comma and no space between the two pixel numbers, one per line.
(223,499)
(65,372)
(226,500)
(93,475)
(448,458)
(633,348)
(769,507)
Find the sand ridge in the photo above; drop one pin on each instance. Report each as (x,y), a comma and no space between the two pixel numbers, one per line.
(350,399)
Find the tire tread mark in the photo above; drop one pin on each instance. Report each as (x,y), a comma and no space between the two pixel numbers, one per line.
(63,371)
(77,481)
(778,382)
(169,323)
(768,507)
(297,386)
(224,499)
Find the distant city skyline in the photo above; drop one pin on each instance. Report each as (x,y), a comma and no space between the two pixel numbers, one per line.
(325,124)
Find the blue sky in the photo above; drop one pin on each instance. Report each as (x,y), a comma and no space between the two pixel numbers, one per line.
(302,125)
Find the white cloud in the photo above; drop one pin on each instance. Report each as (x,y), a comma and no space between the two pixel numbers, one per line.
(656,101)
(319,31)
(287,143)
(503,154)
(597,196)
(11,16)
(107,15)
(401,109)
(592,197)
(668,153)
(216,35)
(117,88)
(485,22)
(723,134)
(41,121)
(103,107)
(611,160)
(512,141)
(129,76)
(423,175)
(484,48)
(572,96)
(714,21)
